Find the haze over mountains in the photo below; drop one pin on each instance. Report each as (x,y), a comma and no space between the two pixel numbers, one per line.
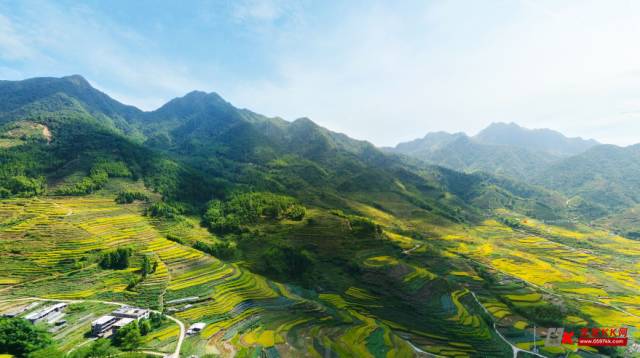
(504,134)
(581,169)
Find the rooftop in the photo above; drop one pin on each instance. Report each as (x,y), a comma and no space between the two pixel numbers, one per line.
(102,320)
(130,311)
(123,322)
(197,326)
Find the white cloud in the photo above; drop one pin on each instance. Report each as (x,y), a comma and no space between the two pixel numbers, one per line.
(389,74)
(115,58)
(13,46)
(382,71)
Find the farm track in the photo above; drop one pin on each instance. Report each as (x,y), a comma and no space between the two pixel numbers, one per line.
(409,251)
(175,354)
(515,349)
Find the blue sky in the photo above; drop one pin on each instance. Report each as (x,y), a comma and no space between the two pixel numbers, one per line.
(385,71)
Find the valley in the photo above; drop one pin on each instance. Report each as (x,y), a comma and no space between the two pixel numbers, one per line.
(252,236)
(509,272)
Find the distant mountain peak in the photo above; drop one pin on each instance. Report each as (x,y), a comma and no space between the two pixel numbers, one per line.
(430,142)
(16,94)
(542,140)
(304,121)
(192,103)
(202,96)
(77,80)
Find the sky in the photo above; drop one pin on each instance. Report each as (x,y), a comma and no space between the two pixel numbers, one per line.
(383,71)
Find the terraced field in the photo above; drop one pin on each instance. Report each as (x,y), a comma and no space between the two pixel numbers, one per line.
(414,296)
(590,272)
(58,239)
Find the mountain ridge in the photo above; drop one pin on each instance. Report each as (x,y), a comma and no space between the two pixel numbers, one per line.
(539,139)
(286,232)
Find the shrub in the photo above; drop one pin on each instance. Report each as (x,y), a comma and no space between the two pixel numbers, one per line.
(163,210)
(87,185)
(114,169)
(19,337)
(128,337)
(4,193)
(117,259)
(363,226)
(286,262)
(128,197)
(148,266)
(221,250)
(175,239)
(24,186)
(157,319)
(133,282)
(97,178)
(248,208)
(145,327)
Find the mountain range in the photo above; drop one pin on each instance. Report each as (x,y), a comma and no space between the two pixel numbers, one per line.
(288,239)
(583,170)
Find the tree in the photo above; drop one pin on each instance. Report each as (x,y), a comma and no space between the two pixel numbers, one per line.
(128,197)
(162,210)
(20,337)
(117,259)
(145,327)
(24,186)
(148,266)
(156,319)
(286,261)
(128,337)
(248,208)
(222,250)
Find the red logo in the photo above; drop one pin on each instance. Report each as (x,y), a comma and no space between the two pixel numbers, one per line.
(598,337)
(567,338)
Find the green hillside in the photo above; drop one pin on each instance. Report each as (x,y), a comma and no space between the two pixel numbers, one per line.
(285,238)
(606,174)
(596,180)
(537,140)
(468,155)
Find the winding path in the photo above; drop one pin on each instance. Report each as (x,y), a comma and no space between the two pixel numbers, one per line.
(515,349)
(175,354)
(408,251)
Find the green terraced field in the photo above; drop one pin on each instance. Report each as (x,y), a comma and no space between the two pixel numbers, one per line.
(406,302)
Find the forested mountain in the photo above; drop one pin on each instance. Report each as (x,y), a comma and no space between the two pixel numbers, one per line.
(605,174)
(537,140)
(598,179)
(466,154)
(502,149)
(285,238)
(200,134)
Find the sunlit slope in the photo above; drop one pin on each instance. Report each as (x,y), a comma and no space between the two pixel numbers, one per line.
(593,276)
(415,282)
(521,270)
(49,247)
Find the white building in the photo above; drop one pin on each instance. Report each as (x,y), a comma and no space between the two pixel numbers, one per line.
(121,323)
(42,314)
(196,328)
(102,324)
(131,312)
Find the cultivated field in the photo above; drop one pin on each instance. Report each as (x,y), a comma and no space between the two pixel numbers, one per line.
(453,291)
